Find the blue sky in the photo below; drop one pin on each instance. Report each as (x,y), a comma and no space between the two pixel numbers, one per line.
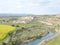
(30,6)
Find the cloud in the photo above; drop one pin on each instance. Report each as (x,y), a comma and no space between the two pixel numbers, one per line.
(30,6)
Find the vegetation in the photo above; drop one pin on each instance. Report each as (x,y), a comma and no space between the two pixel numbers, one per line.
(55,41)
(14,30)
(4,30)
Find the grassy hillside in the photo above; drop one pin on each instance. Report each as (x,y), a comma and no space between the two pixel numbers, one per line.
(55,41)
(27,27)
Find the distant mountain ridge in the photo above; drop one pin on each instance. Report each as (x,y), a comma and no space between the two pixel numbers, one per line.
(22,14)
(15,14)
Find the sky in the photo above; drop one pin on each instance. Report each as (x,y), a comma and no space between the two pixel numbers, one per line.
(30,6)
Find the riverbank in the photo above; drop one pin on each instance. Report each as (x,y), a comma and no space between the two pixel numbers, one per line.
(49,39)
(44,41)
(35,42)
(34,38)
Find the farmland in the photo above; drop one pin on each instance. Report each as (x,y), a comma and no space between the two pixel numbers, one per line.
(4,30)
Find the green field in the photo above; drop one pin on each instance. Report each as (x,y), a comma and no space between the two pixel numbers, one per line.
(4,29)
(55,41)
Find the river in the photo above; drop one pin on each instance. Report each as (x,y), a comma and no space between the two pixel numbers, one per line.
(35,42)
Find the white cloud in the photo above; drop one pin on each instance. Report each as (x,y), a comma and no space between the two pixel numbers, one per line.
(30,6)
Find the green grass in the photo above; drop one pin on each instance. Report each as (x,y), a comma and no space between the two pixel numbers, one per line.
(55,41)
